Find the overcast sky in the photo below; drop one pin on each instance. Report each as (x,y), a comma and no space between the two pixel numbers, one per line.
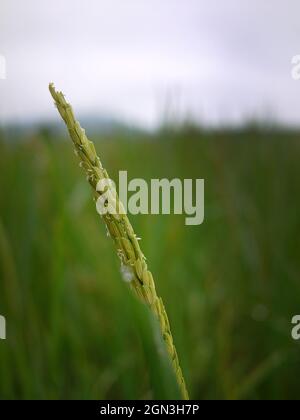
(217,60)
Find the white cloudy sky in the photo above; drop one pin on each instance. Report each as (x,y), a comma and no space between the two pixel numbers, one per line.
(216,60)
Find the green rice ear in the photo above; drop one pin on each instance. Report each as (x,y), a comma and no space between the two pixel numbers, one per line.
(122,233)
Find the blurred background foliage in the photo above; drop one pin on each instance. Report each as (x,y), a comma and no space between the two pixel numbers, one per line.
(230,286)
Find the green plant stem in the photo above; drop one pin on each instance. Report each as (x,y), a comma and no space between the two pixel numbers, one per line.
(121,231)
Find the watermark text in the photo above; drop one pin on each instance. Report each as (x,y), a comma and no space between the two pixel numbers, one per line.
(2,67)
(2,328)
(296,328)
(159,196)
(296,67)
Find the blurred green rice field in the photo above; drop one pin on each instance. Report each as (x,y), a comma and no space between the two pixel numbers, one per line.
(231,286)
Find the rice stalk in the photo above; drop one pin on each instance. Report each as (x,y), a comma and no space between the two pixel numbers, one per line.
(133,262)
